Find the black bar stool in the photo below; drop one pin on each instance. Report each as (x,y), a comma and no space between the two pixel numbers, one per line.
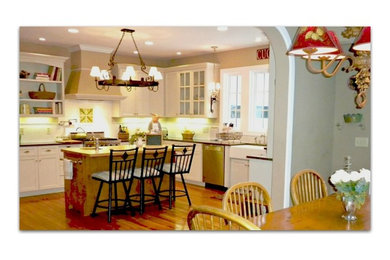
(181,160)
(152,164)
(121,169)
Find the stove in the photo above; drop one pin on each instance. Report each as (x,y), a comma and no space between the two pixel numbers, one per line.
(103,141)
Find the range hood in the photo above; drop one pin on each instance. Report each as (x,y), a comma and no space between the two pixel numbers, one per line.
(80,84)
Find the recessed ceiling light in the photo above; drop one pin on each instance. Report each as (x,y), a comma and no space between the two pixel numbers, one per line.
(42,39)
(73,30)
(149,43)
(178,53)
(135,52)
(222,28)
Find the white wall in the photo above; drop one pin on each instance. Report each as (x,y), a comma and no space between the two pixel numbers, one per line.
(313,121)
(344,136)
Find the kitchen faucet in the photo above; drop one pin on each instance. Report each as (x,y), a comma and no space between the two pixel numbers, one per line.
(81,129)
(95,141)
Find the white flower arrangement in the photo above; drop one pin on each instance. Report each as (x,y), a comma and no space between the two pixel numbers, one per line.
(352,186)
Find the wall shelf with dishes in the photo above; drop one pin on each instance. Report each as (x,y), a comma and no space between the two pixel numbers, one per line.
(41,85)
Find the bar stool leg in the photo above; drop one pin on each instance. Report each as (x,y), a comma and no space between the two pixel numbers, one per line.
(171,189)
(97,200)
(116,196)
(129,197)
(142,197)
(109,202)
(185,188)
(157,197)
(174,186)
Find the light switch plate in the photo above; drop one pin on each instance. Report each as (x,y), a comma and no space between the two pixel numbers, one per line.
(361,141)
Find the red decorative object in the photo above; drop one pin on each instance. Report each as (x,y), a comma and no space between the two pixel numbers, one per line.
(313,40)
(329,56)
(263,54)
(363,41)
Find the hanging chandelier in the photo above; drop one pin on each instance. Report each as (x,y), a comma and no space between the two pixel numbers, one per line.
(319,44)
(104,79)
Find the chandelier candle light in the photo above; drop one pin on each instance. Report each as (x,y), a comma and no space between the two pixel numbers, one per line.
(319,44)
(104,79)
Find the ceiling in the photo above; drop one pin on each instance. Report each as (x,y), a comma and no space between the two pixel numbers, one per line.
(190,41)
(168,40)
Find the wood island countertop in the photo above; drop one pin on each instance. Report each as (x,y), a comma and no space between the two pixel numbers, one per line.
(104,151)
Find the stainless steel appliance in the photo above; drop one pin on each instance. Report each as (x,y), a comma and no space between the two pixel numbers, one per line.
(213,164)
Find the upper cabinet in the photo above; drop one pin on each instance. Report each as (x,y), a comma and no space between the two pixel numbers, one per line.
(183,92)
(139,101)
(187,90)
(44,75)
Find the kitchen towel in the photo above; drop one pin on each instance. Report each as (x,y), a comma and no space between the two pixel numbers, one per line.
(68,169)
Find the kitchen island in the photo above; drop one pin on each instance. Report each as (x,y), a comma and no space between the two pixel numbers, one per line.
(81,190)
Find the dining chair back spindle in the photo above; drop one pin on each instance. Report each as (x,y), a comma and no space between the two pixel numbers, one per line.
(307,185)
(210,218)
(249,200)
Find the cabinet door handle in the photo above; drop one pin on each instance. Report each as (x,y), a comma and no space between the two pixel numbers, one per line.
(26,151)
(48,150)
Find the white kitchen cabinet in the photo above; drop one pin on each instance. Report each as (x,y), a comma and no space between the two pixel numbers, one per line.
(39,170)
(187,90)
(172,94)
(28,169)
(260,171)
(40,63)
(139,101)
(239,171)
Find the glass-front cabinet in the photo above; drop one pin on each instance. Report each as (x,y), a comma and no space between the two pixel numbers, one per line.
(192,86)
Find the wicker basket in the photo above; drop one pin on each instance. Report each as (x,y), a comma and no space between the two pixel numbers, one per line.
(41,93)
(188,136)
(123,136)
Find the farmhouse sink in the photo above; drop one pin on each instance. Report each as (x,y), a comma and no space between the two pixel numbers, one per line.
(242,151)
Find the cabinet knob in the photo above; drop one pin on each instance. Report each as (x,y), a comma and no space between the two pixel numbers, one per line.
(48,150)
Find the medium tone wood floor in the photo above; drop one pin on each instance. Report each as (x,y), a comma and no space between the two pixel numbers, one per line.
(47,212)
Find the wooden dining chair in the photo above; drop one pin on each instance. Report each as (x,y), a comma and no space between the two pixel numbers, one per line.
(210,218)
(307,185)
(249,200)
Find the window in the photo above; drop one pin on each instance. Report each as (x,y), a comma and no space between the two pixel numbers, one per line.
(233,106)
(245,99)
(258,102)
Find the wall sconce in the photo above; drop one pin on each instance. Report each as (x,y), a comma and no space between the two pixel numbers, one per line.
(214,95)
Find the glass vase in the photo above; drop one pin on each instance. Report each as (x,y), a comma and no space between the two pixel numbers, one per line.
(350,209)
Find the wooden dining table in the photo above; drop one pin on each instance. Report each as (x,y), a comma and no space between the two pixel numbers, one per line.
(321,214)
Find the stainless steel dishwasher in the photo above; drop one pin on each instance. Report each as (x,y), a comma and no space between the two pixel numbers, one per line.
(213,165)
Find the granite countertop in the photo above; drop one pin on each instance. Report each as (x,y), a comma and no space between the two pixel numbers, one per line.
(210,141)
(175,139)
(42,143)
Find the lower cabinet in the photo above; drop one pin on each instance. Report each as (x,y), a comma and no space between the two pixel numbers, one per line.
(39,170)
(239,171)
